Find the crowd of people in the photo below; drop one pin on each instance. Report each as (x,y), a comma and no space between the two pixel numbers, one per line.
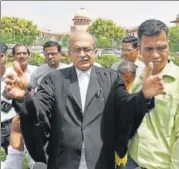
(84,116)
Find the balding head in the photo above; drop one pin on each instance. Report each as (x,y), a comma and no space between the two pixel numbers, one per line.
(82,50)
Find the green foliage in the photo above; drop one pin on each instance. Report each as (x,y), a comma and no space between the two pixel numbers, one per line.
(65,40)
(16,30)
(106,32)
(174,59)
(174,47)
(65,59)
(174,38)
(36,59)
(108,60)
(103,42)
(174,34)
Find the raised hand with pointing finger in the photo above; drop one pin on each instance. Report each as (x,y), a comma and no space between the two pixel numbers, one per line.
(152,85)
(16,82)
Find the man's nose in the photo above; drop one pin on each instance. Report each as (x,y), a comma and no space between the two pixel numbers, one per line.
(82,53)
(21,55)
(155,54)
(50,56)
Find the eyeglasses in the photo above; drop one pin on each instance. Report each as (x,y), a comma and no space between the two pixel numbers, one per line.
(159,49)
(127,50)
(50,54)
(85,50)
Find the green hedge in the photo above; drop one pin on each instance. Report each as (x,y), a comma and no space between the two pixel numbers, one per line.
(174,59)
(36,59)
(108,60)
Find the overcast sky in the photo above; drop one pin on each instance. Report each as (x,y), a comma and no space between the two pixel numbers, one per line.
(57,15)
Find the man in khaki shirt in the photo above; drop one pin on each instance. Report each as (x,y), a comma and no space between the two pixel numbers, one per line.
(156,143)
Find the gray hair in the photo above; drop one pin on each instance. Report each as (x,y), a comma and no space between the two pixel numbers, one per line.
(125,67)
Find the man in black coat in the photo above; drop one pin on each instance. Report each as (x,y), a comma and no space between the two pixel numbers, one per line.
(72,121)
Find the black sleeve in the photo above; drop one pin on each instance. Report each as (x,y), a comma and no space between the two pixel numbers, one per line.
(35,115)
(129,112)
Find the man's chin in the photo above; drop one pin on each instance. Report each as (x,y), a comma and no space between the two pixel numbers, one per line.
(85,66)
(54,65)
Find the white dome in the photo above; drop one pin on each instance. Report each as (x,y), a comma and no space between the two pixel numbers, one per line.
(82,12)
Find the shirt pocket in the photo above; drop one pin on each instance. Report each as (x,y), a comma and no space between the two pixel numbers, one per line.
(165,111)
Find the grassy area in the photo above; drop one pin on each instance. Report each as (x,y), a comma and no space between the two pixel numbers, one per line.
(3,157)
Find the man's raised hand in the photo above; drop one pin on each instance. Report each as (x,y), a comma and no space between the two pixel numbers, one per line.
(152,84)
(16,82)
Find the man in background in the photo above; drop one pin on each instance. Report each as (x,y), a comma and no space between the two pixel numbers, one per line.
(130,52)
(52,53)
(7,112)
(156,143)
(21,54)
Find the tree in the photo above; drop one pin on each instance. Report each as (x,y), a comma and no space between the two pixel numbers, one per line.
(17,30)
(106,32)
(174,38)
(65,40)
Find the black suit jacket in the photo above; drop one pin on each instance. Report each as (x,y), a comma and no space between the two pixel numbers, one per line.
(54,126)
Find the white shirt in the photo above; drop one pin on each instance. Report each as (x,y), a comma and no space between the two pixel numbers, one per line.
(30,69)
(140,67)
(83,80)
(14,159)
(11,113)
(7,116)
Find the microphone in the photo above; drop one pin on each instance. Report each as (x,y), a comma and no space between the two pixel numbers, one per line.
(40,165)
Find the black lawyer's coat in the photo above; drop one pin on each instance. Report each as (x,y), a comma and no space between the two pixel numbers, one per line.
(54,126)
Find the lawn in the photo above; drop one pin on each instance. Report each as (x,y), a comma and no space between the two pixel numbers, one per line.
(3,157)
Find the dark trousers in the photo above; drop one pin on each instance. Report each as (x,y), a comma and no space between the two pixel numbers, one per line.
(5,134)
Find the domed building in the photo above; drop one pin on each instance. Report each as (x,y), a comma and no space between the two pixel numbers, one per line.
(176,21)
(81,20)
